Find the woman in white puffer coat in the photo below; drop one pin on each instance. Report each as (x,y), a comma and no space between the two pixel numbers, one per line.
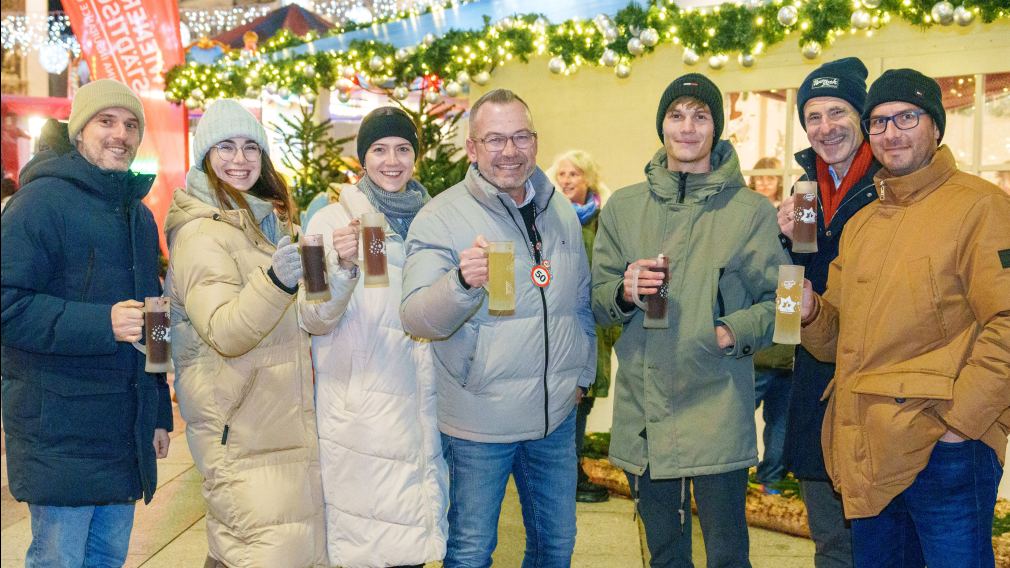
(384,479)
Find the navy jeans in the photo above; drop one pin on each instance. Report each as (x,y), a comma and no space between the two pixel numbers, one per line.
(722,500)
(771,387)
(72,537)
(944,519)
(545,476)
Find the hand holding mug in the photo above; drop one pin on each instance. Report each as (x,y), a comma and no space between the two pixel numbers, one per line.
(345,243)
(787,216)
(809,301)
(127,320)
(473,263)
(649,281)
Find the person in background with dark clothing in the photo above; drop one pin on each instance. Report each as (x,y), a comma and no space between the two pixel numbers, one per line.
(83,422)
(839,159)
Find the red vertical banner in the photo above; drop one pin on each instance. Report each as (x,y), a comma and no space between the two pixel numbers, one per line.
(136,42)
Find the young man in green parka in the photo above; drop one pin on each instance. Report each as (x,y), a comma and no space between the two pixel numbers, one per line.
(684,407)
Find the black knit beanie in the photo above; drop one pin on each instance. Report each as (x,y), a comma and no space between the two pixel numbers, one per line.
(843,79)
(383,122)
(697,86)
(909,86)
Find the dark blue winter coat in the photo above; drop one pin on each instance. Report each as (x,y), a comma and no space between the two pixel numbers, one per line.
(803,453)
(79,412)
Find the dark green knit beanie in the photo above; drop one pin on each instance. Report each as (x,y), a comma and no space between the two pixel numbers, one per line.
(910,86)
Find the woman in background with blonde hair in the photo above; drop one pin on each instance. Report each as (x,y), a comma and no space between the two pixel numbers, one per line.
(578,177)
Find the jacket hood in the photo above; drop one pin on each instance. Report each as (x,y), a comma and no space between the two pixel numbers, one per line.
(186,208)
(73,168)
(691,188)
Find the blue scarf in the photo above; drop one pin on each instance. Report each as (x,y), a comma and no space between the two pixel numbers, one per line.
(587,210)
(399,207)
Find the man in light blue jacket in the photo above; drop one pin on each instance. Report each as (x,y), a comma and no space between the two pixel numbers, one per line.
(507,384)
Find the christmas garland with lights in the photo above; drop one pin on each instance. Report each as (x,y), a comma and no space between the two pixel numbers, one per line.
(443,65)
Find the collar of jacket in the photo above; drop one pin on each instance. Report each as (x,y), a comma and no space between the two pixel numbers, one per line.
(115,187)
(490,196)
(907,189)
(186,208)
(666,185)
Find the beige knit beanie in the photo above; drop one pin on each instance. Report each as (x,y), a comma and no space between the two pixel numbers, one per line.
(100,95)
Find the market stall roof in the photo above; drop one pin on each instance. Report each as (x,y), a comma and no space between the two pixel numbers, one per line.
(292,17)
(411,31)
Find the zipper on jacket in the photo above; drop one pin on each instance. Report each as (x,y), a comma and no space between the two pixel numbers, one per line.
(883,188)
(246,389)
(543,304)
(683,187)
(88,274)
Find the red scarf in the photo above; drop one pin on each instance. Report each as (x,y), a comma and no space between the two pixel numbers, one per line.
(832,197)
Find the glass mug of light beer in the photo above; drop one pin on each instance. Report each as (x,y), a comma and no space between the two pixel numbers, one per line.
(788,299)
(314,268)
(373,250)
(805,227)
(655,305)
(501,278)
(157,344)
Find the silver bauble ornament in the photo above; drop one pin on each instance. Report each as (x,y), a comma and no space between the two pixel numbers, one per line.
(400,93)
(310,98)
(746,60)
(344,96)
(284,92)
(860,19)
(556,65)
(609,58)
(811,50)
(610,35)
(197,94)
(429,39)
(622,70)
(309,70)
(192,103)
(345,84)
(943,13)
(376,63)
(252,93)
(463,78)
(506,23)
(453,89)
(963,16)
(716,61)
(401,55)
(649,37)
(788,15)
(482,78)
(635,46)
(690,56)
(348,71)
(871,4)
(431,97)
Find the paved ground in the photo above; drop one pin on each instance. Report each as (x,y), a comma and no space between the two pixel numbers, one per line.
(169,533)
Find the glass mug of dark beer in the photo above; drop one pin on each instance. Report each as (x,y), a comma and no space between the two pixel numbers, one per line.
(655,305)
(157,344)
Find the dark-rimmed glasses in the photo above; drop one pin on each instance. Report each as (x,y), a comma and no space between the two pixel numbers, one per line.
(228,151)
(497,142)
(904,120)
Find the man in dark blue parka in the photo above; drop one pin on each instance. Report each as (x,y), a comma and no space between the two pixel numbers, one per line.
(83,422)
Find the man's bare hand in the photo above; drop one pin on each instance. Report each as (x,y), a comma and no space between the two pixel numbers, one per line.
(808,302)
(787,216)
(724,337)
(161,442)
(648,281)
(128,320)
(473,263)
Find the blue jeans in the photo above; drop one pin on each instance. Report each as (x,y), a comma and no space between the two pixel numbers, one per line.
(944,519)
(545,475)
(772,386)
(75,537)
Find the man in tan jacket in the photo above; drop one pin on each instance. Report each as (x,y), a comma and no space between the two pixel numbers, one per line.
(917,318)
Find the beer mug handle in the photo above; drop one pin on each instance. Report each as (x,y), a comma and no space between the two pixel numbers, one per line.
(140,347)
(634,287)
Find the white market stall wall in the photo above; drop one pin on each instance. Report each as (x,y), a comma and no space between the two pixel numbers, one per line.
(614,119)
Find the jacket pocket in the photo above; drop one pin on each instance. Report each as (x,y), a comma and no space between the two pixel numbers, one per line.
(928,322)
(905,384)
(89,414)
(243,394)
(89,274)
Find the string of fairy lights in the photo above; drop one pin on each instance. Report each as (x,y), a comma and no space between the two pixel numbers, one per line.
(442,66)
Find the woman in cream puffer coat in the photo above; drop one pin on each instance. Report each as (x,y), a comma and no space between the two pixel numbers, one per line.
(243,369)
(384,477)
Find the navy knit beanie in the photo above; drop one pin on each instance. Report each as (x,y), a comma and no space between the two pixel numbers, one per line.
(843,79)
(697,86)
(909,86)
(383,122)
